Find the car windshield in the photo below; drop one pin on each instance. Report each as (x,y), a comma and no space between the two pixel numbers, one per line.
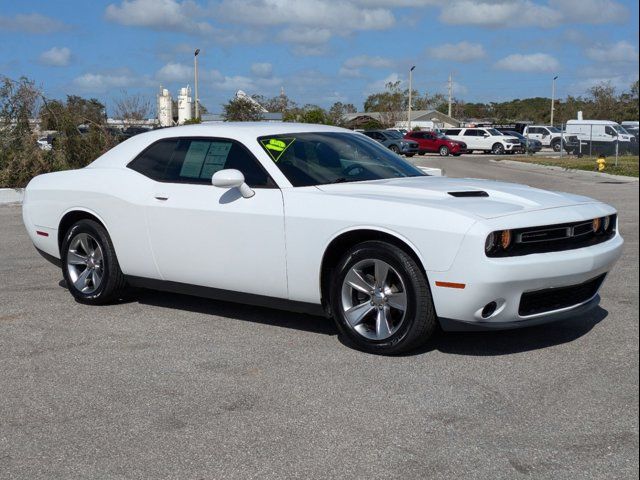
(514,134)
(620,129)
(494,132)
(393,133)
(334,157)
(554,129)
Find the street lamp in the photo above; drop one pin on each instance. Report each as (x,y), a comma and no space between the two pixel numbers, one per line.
(195,71)
(553,97)
(410,92)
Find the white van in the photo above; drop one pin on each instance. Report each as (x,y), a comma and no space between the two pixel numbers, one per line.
(603,135)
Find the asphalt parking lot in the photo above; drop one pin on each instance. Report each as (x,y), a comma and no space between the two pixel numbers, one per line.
(169,386)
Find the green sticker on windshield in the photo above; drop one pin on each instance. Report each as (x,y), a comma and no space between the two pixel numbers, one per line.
(275,147)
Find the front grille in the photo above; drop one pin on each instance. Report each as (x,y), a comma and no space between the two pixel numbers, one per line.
(550,299)
(555,238)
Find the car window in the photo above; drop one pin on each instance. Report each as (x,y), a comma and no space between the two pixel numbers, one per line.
(153,161)
(195,160)
(452,132)
(470,133)
(330,157)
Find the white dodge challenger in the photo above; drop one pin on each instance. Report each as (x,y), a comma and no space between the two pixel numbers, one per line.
(320,219)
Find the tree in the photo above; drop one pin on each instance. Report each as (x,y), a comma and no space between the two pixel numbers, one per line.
(390,104)
(337,112)
(240,109)
(603,101)
(132,109)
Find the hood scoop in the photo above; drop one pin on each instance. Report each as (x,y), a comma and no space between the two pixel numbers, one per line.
(469,193)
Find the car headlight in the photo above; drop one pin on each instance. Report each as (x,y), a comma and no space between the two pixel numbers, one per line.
(500,240)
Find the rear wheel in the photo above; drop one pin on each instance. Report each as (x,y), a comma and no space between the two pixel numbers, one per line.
(444,151)
(497,149)
(381,300)
(89,264)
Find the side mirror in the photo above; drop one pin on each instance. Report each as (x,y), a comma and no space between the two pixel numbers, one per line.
(231,178)
(485,135)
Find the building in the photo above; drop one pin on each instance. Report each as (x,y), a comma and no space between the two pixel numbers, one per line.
(427,119)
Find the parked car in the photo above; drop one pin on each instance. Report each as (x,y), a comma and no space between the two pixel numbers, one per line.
(436,142)
(401,131)
(549,136)
(394,141)
(320,219)
(602,136)
(485,139)
(529,145)
(633,127)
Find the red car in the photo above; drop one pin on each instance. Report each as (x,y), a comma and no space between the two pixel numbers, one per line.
(436,142)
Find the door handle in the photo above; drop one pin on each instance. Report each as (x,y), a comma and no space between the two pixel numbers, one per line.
(161,197)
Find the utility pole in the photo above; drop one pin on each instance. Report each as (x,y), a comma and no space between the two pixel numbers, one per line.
(553,97)
(195,71)
(410,93)
(450,93)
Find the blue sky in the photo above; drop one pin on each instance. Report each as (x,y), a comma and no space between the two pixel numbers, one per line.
(319,51)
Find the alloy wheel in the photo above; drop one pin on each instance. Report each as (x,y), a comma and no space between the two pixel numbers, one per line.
(85,263)
(374,299)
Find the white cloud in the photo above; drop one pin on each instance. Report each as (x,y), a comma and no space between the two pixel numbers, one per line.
(534,62)
(306,36)
(349,72)
(590,11)
(102,82)
(175,72)
(31,23)
(56,57)
(620,52)
(368,61)
(330,14)
(263,70)
(499,13)
(458,52)
(159,15)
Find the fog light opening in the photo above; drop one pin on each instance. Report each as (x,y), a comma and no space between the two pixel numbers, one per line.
(489,309)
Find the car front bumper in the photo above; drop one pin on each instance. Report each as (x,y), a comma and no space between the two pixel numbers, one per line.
(505,280)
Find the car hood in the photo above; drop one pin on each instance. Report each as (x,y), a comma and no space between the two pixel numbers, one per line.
(499,199)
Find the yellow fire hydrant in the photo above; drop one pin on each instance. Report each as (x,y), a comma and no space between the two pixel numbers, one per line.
(601,163)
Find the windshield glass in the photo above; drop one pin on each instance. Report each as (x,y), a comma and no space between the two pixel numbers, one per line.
(619,129)
(494,132)
(334,157)
(393,134)
(554,129)
(514,134)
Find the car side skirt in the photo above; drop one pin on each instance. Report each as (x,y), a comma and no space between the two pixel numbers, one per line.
(226,295)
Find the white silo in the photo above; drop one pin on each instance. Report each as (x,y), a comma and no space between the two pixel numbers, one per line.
(165,108)
(185,105)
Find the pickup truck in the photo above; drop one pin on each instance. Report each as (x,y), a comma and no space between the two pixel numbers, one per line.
(548,136)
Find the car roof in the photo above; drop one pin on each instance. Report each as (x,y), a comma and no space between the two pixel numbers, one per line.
(245,132)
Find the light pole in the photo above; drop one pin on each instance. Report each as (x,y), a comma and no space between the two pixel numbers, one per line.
(410,93)
(195,71)
(553,97)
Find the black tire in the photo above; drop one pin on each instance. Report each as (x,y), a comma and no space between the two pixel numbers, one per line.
(409,155)
(497,149)
(457,154)
(394,149)
(557,146)
(113,281)
(443,151)
(419,321)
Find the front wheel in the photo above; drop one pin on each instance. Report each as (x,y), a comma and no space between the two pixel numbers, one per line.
(380,299)
(557,146)
(89,264)
(497,149)
(394,149)
(444,151)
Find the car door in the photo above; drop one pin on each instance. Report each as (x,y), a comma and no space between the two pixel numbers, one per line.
(470,137)
(429,142)
(213,237)
(536,133)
